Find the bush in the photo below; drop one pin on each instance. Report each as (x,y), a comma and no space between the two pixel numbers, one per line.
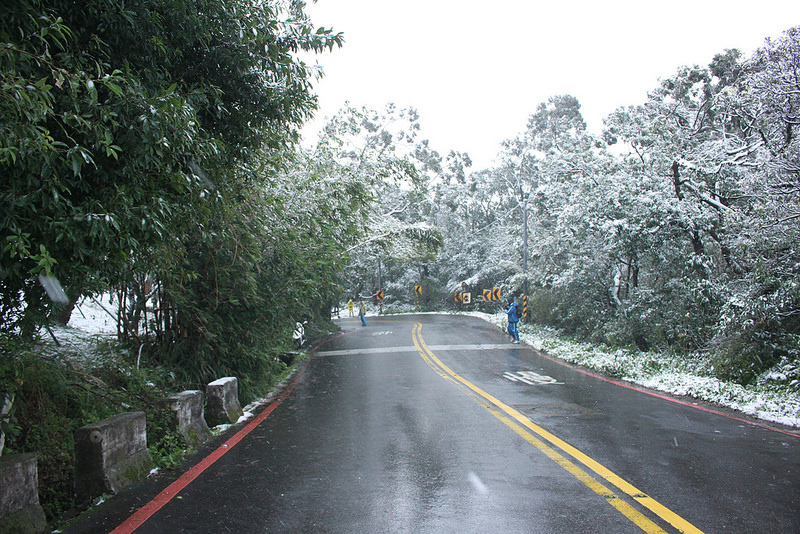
(742,357)
(62,391)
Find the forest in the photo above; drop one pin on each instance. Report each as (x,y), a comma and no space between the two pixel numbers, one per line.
(150,150)
(675,230)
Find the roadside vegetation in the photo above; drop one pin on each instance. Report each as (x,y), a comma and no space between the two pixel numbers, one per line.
(149,152)
(691,376)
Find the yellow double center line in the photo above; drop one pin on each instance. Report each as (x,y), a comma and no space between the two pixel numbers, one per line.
(539,438)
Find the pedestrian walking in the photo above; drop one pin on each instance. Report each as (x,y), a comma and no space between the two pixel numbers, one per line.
(513,320)
(350,306)
(362,312)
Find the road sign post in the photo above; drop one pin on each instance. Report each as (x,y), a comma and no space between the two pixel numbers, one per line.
(380,295)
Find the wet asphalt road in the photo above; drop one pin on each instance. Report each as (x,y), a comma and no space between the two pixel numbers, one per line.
(435,423)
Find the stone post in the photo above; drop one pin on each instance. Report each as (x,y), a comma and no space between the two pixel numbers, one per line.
(189,416)
(222,401)
(111,455)
(19,495)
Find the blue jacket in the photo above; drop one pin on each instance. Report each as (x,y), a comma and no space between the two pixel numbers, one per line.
(513,316)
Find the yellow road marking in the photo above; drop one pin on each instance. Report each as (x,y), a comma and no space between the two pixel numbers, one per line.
(524,426)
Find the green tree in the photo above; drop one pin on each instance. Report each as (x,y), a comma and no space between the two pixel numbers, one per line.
(122,120)
(137,141)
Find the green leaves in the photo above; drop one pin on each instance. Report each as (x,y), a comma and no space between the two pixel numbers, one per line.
(110,109)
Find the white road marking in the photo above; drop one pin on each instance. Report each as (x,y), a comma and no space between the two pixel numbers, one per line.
(435,348)
(530,378)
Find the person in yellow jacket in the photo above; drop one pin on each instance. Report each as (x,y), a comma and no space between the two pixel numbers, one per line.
(350,306)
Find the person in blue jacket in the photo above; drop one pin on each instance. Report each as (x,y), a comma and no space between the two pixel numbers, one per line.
(513,319)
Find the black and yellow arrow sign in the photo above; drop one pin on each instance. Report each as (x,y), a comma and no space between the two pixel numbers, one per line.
(418,290)
(379,294)
(491,294)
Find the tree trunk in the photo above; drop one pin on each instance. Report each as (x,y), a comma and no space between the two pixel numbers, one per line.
(617,284)
(697,242)
(676,180)
(64,315)
(726,253)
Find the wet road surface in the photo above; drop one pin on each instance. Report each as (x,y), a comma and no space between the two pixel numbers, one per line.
(435,423)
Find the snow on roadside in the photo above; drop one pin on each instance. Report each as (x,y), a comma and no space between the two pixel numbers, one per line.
(94,316)
(90,322)
(249,411)
(677,376)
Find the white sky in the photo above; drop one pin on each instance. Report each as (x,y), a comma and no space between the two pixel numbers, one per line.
(476,70)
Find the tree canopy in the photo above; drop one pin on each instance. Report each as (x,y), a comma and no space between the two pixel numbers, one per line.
(142,146)
(150,148)
(677,228)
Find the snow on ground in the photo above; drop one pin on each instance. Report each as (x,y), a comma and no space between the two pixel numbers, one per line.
(91,321)
(95,316)
(684,376)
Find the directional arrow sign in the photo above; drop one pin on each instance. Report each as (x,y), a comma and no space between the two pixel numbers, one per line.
(418,290)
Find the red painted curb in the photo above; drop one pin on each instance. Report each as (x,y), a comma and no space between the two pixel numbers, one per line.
(661,395)
(148,510)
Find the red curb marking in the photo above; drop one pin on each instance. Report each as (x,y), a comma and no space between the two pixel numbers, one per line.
(661,396)
(159,501)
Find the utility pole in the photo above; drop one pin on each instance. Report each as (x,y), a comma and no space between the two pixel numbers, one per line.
(524,240)
(380,274)
(380,285)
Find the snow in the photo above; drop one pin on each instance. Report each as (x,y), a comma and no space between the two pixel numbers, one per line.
(90,317)
(249,411)
(682,376)
(88,324)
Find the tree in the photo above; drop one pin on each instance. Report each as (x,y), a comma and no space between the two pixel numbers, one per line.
(138,140)
(759,325)
(118,114)
(383,153)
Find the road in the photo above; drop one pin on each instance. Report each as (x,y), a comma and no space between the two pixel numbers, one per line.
(436,423)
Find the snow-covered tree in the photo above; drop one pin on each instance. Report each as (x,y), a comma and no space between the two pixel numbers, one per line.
(383,153)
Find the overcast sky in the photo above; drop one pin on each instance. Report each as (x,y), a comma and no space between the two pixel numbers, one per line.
(476,70)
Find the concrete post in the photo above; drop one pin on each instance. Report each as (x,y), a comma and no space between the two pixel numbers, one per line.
(111,455)
(19,495)
(189,416)
(222,401)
